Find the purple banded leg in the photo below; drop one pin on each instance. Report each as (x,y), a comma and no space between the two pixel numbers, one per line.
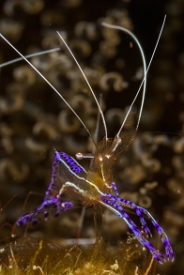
(139,213)
(166,243)
(52,202)
(133,227)
(113,184)
(53,182)
(131,205)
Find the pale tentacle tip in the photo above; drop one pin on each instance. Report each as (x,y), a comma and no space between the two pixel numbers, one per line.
(160,258)
(170,255)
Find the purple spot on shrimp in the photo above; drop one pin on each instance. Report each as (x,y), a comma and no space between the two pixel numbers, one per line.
(74,166)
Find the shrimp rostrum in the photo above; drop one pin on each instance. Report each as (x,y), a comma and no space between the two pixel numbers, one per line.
(96,185)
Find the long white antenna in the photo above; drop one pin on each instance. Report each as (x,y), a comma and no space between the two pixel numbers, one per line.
(87,82)
(28,56)
(145,75)
(38,72)
(144,68)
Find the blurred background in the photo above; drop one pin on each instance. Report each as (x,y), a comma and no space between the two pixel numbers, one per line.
(34,120)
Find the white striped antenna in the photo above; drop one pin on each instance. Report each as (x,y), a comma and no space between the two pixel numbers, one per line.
(144,80)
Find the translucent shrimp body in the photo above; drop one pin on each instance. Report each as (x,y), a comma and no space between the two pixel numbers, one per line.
(96,186)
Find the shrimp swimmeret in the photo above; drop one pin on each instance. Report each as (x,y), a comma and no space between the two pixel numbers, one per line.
(96,185)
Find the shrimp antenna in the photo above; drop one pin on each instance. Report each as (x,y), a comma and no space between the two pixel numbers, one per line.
(144,68)
(144,80)
(87,82)
(28,56)
(38,72)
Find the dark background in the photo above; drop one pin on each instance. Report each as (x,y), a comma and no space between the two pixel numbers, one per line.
(163,110)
